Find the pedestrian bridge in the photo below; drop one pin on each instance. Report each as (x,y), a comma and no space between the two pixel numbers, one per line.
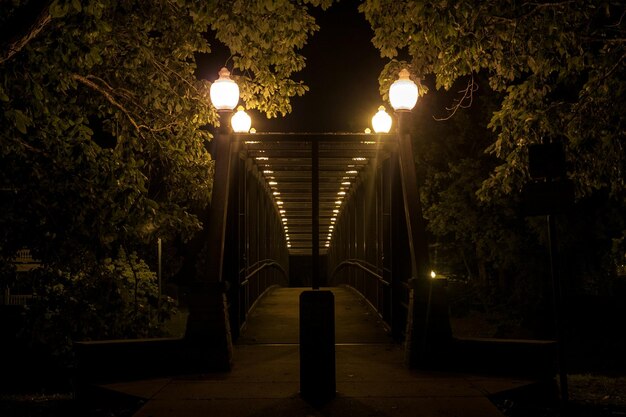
(320,209)
(295,211)
(328,210)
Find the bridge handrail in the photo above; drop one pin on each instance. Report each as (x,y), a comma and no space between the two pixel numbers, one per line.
(265,263)
(361,264)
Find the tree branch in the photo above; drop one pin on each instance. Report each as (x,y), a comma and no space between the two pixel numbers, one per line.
(16,44)
(464,102)
(106,91)
(107,95)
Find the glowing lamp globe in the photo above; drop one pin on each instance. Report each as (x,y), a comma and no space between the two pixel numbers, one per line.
(381,122)
(224,92)
(240,121)
(403,92)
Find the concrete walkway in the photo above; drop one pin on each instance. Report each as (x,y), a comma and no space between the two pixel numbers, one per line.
(371,378)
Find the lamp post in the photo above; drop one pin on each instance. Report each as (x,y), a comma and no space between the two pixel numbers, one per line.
(427,323)
(403,95)
(381,121)
(208,336)
(224,96)
(240,121)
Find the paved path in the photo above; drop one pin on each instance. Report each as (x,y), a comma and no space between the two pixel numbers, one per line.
(371,378)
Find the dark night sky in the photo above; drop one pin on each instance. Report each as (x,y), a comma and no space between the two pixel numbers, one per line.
(341,71)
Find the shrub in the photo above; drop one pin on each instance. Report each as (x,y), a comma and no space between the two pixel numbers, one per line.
(111,299)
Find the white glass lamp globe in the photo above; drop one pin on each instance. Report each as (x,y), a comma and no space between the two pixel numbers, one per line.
(224,92)
(403,92)
(240,121)
(381,122)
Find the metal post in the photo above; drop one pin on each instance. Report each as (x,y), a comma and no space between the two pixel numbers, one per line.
(558,306)
(416,227)
(159,270)
(315,222)
(208,336)
(427,336)
(219,199)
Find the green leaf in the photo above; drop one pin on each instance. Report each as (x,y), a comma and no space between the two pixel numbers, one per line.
(3,95)
(21,121)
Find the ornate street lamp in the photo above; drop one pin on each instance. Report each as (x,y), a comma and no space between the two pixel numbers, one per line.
(240,121)
(424,338)
(224,91)
(211,333)
(403,92)
(381,122)
(403,97)
(224,96)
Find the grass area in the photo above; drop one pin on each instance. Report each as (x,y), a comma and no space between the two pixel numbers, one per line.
(176,325)
(601,394)
(598,390)
(590,396)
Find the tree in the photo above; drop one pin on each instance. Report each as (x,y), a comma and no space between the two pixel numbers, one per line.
(559,65)
(551,71)
(104,138)
(104,122)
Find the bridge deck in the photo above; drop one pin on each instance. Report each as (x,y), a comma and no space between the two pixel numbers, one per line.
(371,378)
(275,320)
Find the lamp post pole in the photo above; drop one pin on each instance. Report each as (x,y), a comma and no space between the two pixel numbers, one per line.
(416,227)
(219,198)
(428,326)
(208,337)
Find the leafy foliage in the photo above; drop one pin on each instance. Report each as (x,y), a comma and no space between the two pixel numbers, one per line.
(560,66)
(487,245)
(115,299)
(263,37)
(529,72)
(104,140)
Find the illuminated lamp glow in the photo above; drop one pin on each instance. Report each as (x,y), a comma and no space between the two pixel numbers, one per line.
(381,122)
(241,121)
(403,92)
(224,91)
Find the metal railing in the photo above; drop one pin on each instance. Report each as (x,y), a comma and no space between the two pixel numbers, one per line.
(369,283)
(15,299)
(257,282)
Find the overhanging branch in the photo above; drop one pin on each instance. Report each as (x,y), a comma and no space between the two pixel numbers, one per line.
(14,45)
